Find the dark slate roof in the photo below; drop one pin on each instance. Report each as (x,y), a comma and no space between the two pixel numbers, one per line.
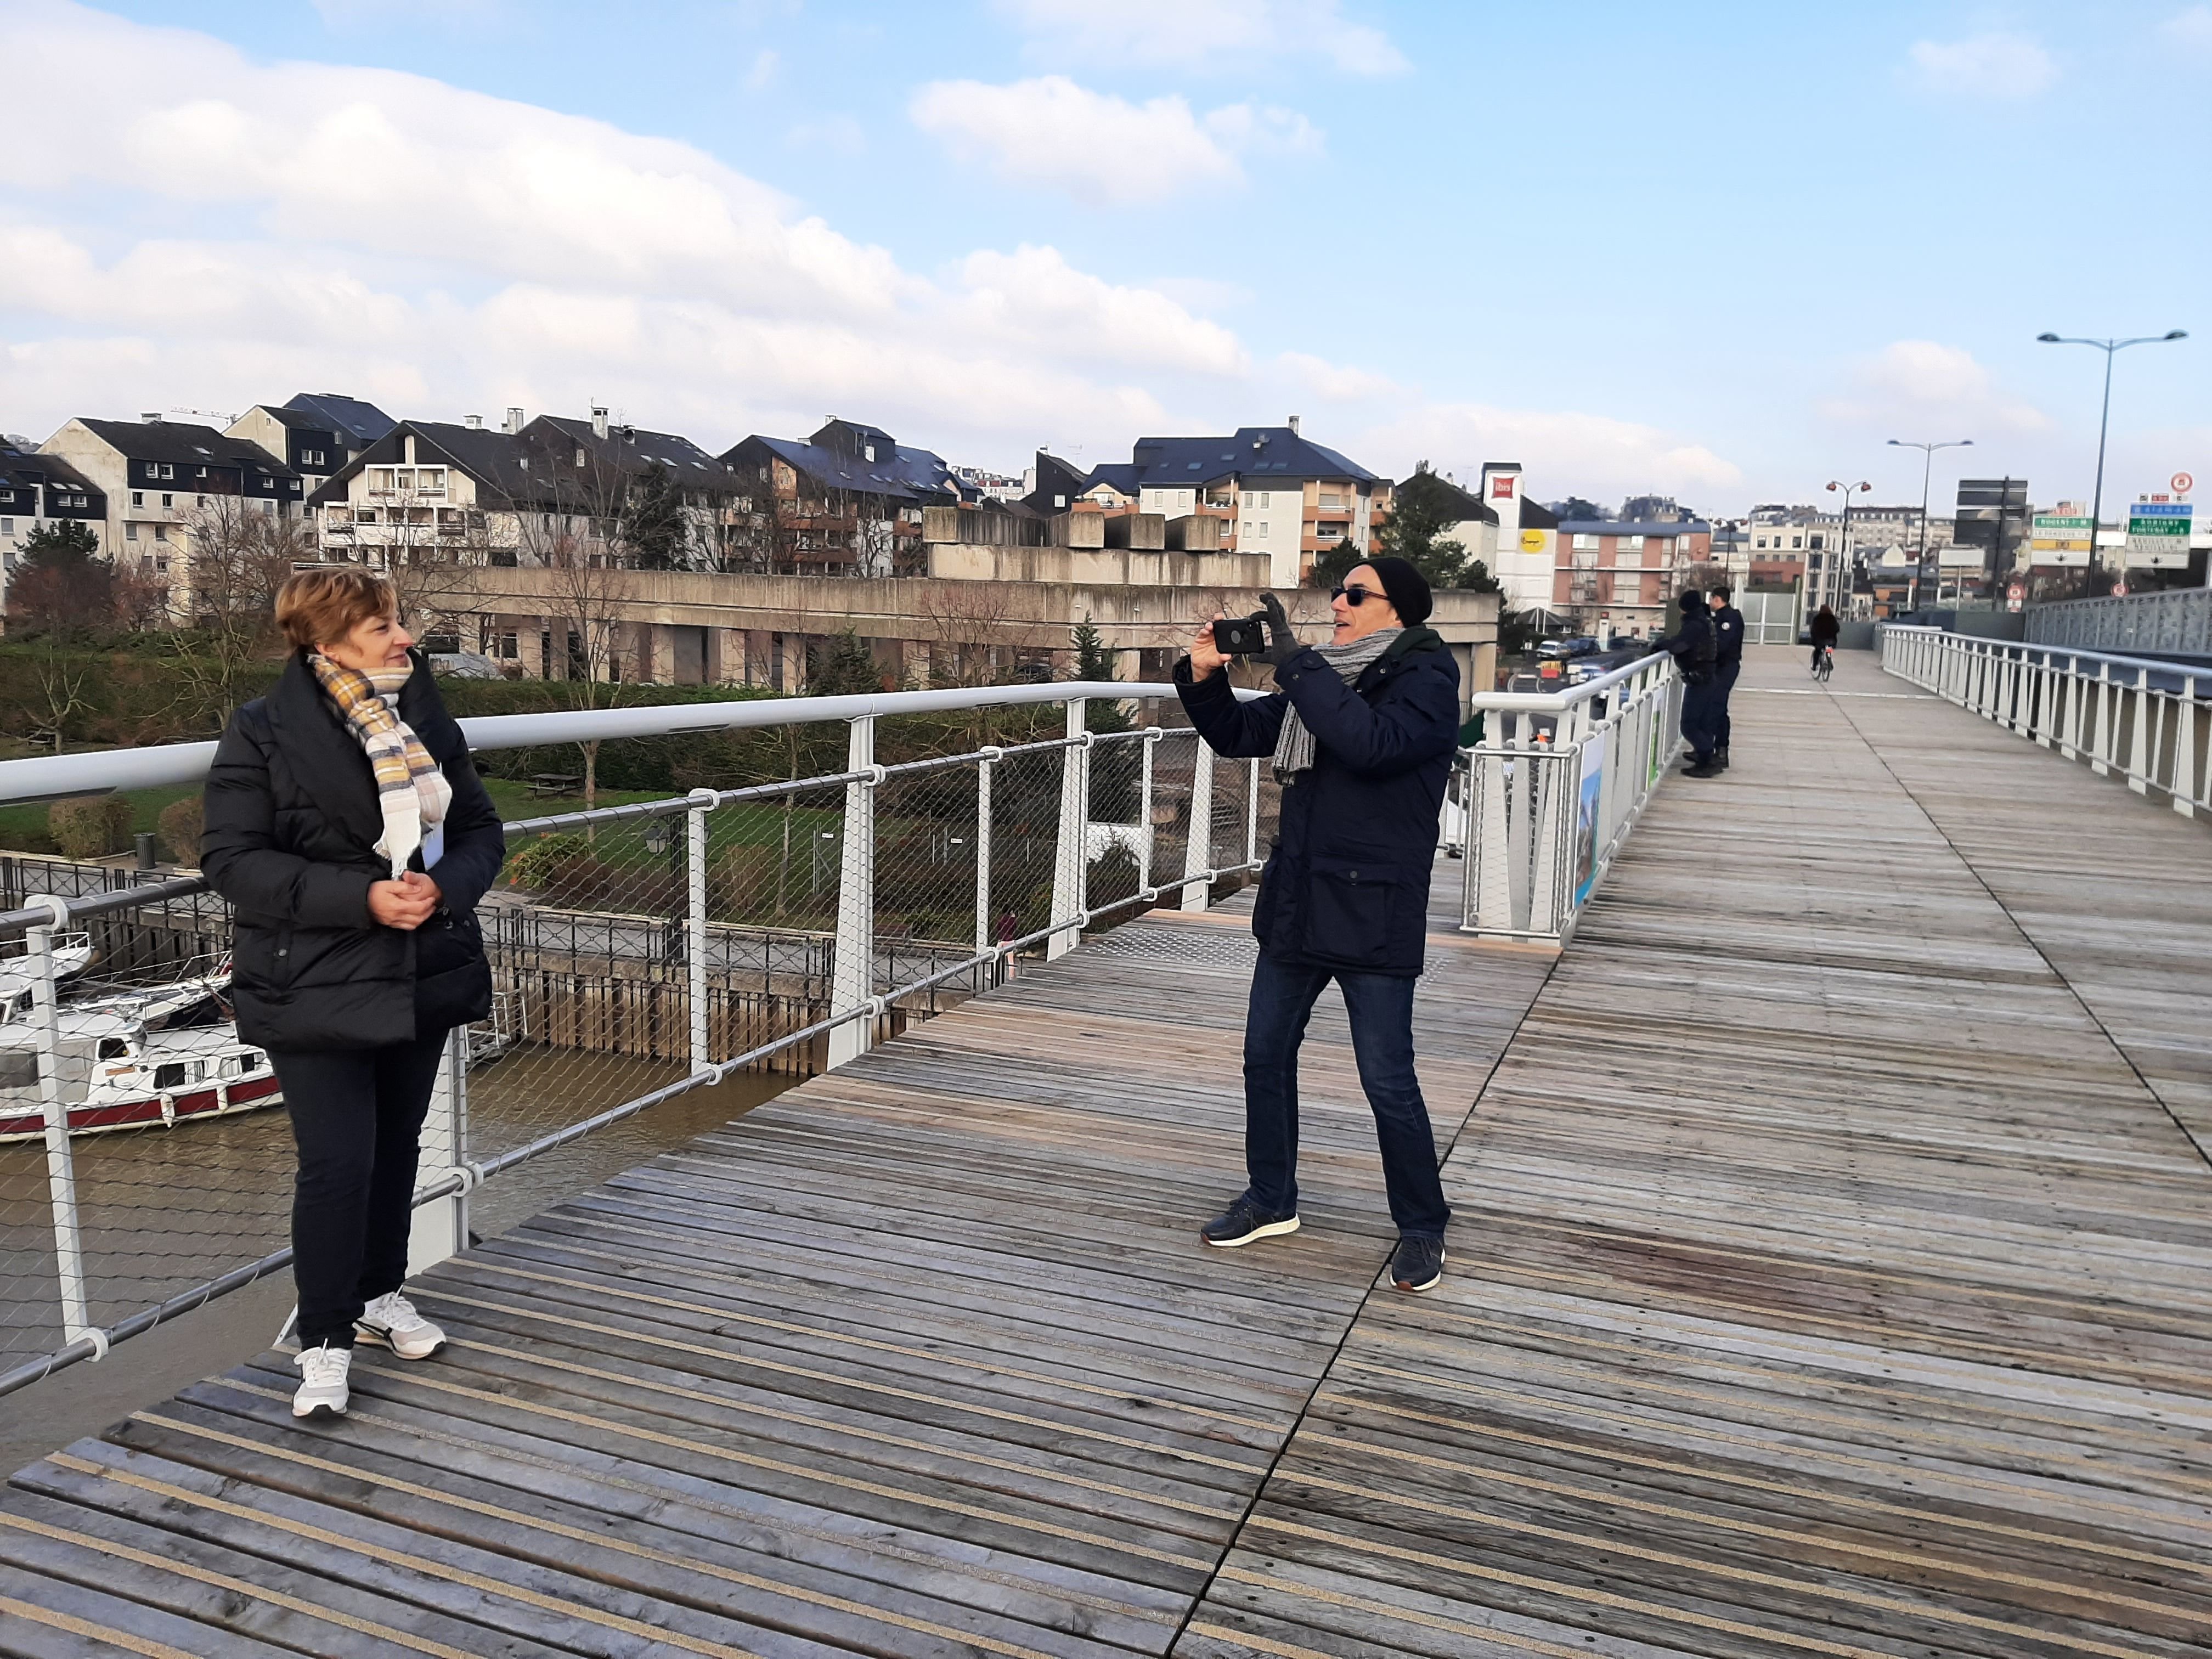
(1534,515)
(299,420)
(1258,455)
(363,422)
(494,460)
(1634,527)
(184,443)
(29,468)
(633,449)
(1126,477)
(903,474)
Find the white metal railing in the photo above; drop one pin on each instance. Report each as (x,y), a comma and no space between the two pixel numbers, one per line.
(1542,803)
(2178,621)
(693,905)
(2143,719)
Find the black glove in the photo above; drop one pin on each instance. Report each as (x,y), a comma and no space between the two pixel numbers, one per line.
(1282,644)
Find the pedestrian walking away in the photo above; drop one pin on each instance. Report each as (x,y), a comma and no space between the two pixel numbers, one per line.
(1696,650)
(349,830)
(1824,630)
(1362,731)
(1728,664)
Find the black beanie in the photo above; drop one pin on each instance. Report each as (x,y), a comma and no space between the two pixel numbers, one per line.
(1406,589)
(1692,599)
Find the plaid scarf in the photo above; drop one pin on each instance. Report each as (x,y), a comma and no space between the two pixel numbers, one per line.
(1294,748)
(410,790)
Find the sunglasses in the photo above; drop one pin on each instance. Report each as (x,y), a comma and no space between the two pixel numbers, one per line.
(1353,593)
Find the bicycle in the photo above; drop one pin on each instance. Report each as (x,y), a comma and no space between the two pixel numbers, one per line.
(1826,665)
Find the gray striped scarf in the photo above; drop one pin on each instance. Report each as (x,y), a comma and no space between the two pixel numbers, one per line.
(1294,749)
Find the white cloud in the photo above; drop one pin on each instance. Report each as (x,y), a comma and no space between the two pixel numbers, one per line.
(449,251)
(1995,65)
(2190,29)
(1183,33)
(1916,383)
(1049,131)
(1335,381)
(1565,451)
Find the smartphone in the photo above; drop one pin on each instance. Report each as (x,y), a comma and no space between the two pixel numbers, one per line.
(1241,636)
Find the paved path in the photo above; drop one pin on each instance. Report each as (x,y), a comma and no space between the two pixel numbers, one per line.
(1832,1275)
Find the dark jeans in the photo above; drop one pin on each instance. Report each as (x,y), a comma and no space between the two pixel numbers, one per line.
(357,1119)
(1725,679)
(1701,707)
(1382,1009)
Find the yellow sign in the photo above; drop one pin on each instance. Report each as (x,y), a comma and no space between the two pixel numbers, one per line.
(1532,541)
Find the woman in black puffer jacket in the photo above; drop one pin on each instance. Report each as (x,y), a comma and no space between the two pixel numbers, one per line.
(349,830)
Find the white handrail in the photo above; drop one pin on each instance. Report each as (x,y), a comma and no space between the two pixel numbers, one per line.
(98,772)
(1558,702)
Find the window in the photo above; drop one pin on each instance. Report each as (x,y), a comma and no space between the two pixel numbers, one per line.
(199,501)
(201,473)
(310,458)
(168,500)
(1628,556)
(1629,544)
(1816,538)
(509,646)
(868,452)
(131,529)
(160,564)
(169,1076)
(1259,498)
(268,508)
(1796,541)
(1263,527)
(113,1049)
(1627,590)
(1585,544)
(138,498)
(161,532)
(6,526)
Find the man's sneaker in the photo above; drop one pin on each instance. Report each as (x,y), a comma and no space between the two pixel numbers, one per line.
(391,1322)
(1418,1264)
(322,1391)
(1242,1222)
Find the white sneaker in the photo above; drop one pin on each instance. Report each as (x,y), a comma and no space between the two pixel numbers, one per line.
(391,1322)
(322,1381)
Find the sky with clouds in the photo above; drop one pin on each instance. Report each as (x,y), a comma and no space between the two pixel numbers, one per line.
(1722,251)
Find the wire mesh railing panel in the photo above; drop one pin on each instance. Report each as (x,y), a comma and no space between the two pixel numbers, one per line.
(927,905)
(1025,789)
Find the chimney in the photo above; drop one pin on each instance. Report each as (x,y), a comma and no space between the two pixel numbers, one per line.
(598,420)
(474,423)
(1294,426)
(513,420)
(152,418)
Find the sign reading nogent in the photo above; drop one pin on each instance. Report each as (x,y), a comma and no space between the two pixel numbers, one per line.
(2160,518)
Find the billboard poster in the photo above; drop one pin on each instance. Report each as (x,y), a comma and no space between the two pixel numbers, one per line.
(1586,815)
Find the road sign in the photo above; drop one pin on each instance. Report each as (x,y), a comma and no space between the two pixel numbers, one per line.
(2119,590)
(2014,595)
(2183,483)
(2159,518)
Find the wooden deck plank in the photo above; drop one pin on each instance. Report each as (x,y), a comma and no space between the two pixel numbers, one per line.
(1829,1272)
(923,1357)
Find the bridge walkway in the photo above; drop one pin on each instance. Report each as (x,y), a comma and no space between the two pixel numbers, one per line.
(1830,1277)
(1831,1267)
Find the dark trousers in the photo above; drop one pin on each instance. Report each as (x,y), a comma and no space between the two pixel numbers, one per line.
(1382,1009)
(1702,707)
(1725,678)
(357,1119)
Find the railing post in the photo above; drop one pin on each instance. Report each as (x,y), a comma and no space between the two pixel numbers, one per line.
(853,969)
(986,769)
(1198,850)
(441,1228)
(1071,866)
(1153,736)
(2184,750)
(1252,810)
(53,1092)
(703,801)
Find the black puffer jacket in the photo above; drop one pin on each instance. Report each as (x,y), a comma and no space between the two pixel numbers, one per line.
(1346,883)
(292,824)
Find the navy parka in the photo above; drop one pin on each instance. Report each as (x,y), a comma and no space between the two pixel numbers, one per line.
(1347,882)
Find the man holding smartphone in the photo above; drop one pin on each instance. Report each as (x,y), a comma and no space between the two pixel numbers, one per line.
(1361,731)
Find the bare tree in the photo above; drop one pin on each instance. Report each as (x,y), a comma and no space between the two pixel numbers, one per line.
(237,557)
(590,593)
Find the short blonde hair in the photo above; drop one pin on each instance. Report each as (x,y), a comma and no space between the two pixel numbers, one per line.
(318,607)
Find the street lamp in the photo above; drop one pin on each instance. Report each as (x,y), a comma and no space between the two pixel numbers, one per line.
(1926,464)
(2110,348)
(1844,552)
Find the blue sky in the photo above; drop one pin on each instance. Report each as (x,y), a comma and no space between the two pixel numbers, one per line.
(1718,250)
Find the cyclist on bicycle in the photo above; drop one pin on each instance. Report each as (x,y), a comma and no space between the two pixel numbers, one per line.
(1825,630)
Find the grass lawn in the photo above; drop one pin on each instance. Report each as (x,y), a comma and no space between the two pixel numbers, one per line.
(23,829)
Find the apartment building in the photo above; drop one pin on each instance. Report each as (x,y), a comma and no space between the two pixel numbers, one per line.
(1276,492)
(1614,576)
(159,477)
(311,443)
(433,488)
(37,490)
(846,502)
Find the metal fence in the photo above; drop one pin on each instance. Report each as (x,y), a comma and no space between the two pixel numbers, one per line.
(2177,623)
(1541,804)
(2144,720)
(640,954)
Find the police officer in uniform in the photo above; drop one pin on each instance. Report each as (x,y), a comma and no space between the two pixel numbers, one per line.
(1728,663)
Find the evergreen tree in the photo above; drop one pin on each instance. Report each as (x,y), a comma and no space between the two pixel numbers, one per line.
(842,667)
(61,584)
(1114,768)
(652,526)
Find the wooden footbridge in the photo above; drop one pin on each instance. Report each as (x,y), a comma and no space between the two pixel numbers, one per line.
(1832,1276)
